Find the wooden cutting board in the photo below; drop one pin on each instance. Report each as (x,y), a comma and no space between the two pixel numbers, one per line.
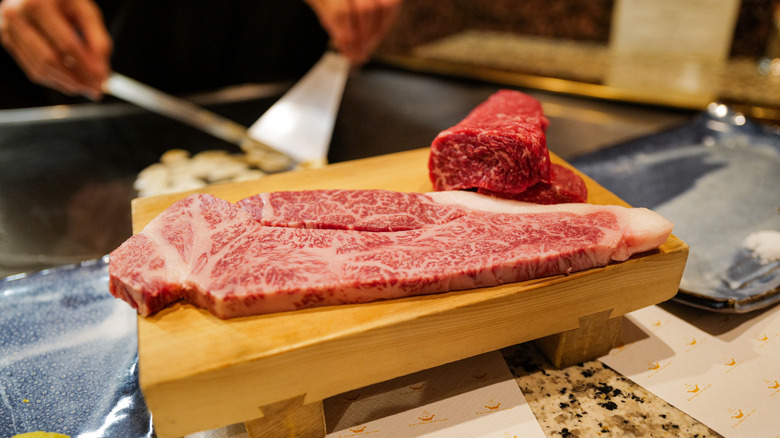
(198,372)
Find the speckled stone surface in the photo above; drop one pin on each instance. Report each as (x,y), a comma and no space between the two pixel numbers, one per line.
(591,400)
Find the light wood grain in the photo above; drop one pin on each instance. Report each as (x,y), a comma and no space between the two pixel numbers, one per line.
(198,372)
(594,337)
(289,418)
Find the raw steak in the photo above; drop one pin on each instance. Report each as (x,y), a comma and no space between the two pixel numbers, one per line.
(500,146)
(215,255)
(361,210)
(565,187)
(500,149)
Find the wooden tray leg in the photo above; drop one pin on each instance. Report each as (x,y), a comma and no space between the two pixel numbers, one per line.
(289,418)
(594,338)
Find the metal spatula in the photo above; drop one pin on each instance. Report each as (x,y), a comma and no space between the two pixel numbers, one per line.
(182,110)
(301,123)
(298,126)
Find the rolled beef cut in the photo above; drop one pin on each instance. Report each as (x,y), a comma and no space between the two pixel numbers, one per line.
(565,187)
(215,255)
(500,146)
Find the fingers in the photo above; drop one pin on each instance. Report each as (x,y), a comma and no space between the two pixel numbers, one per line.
(37,59)
(335,18)
(67,26)
(361,21)
(365,19)
(356,27)
(88,19)
(377,17)
(61,44)
(344,28)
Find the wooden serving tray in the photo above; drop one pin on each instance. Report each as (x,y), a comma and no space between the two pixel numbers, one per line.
(198,372)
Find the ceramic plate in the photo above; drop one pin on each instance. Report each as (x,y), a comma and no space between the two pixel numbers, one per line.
(718,179)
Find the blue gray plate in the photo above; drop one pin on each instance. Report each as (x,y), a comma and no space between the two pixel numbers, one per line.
(718,179)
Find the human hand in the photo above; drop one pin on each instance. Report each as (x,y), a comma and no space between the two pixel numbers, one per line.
(356,27)
(61,44)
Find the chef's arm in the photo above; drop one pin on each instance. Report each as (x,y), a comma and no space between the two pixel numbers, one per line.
(356,27)
(61,44)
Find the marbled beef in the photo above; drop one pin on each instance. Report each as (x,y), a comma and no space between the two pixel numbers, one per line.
(500,149)
(215,255)
(361,210)
(565,187)
(500,146)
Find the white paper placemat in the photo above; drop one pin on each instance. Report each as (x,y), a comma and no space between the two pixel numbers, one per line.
(724,370)
(476,397)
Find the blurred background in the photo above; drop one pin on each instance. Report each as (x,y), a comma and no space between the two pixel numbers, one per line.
(585,48)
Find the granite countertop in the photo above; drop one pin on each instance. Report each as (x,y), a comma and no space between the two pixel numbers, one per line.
(584,400)
(591,399)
